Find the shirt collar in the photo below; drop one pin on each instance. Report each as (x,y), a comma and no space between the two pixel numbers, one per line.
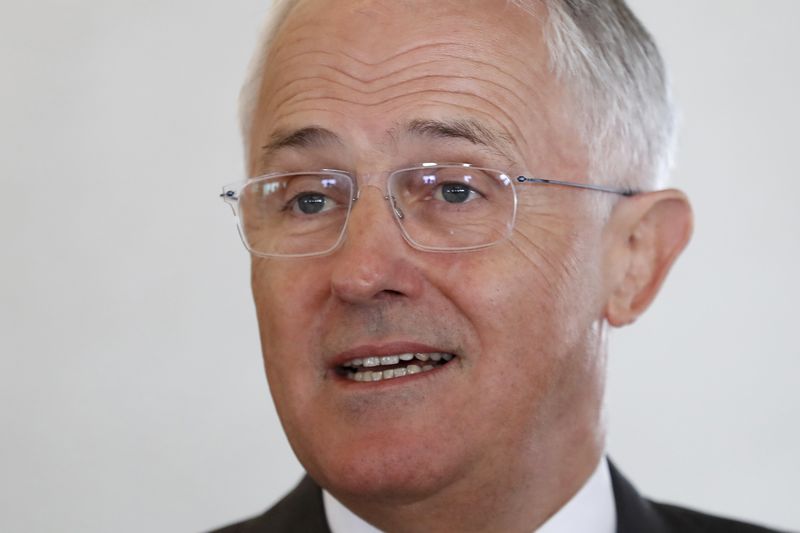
(591,510)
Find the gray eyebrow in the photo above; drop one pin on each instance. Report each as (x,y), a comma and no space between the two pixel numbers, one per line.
(466,129)
(469,130)
(308,137)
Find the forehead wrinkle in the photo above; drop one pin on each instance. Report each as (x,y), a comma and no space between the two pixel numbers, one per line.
(514,89)
(298,96)
(515,137)
(420,65)
(299,31)
(445,58)
(370,71)
(325,83)
(452,68)
(297,38)
(275,56)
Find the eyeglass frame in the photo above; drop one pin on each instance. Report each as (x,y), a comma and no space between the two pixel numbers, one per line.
(230,195)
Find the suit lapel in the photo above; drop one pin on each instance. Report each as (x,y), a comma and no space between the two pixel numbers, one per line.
(634,513)
(300,510)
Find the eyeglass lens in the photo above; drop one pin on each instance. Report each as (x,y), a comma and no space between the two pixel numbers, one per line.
(453,207)
(438,208)
(295,214)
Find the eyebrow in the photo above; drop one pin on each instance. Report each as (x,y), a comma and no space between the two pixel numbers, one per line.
(469,130)
(308,137)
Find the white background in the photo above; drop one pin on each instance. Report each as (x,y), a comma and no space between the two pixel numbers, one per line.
(132,395)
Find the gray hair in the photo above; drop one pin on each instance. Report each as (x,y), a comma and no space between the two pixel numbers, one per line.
(613,71)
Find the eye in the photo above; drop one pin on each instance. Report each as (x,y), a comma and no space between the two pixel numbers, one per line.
(456,193)
(310,203)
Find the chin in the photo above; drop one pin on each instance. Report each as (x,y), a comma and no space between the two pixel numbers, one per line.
(381,468)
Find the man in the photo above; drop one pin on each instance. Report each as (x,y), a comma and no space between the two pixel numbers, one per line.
(450,203)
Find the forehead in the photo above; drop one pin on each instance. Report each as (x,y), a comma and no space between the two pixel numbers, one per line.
(375,30)
(361,68)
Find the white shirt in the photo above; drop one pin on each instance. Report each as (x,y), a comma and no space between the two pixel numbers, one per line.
(591,510)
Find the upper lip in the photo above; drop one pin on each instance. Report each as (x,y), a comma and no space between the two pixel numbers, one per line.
(377,350)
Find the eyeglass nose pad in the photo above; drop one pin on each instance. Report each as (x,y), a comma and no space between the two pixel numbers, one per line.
(397,211)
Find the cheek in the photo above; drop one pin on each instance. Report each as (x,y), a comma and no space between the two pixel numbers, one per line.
(532,301)
(284,295)
(509,303)
(521,353)
(562,256)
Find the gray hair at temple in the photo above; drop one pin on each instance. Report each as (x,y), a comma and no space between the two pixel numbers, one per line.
(613,70)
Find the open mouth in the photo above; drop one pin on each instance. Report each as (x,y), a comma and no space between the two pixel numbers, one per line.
(386,367)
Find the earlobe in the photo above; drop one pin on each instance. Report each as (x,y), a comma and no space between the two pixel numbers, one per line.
(645,238)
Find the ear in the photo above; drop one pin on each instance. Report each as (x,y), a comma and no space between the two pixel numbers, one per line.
(643,238)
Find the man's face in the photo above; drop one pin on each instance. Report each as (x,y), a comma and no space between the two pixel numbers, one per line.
(523,318)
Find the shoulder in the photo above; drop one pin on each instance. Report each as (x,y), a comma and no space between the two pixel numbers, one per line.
(636,514)
(300,510)
(682,519)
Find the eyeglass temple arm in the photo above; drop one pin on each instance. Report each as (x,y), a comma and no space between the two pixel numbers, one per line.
(623,192)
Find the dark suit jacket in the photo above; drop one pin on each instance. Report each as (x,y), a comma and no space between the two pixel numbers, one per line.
(301,511)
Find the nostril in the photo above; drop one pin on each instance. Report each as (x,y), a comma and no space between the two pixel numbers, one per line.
(390,293)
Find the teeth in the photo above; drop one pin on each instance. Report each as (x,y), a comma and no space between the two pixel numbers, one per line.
(390,360)
(357,373)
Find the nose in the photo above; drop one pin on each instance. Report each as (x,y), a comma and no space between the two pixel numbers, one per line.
(374,263)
